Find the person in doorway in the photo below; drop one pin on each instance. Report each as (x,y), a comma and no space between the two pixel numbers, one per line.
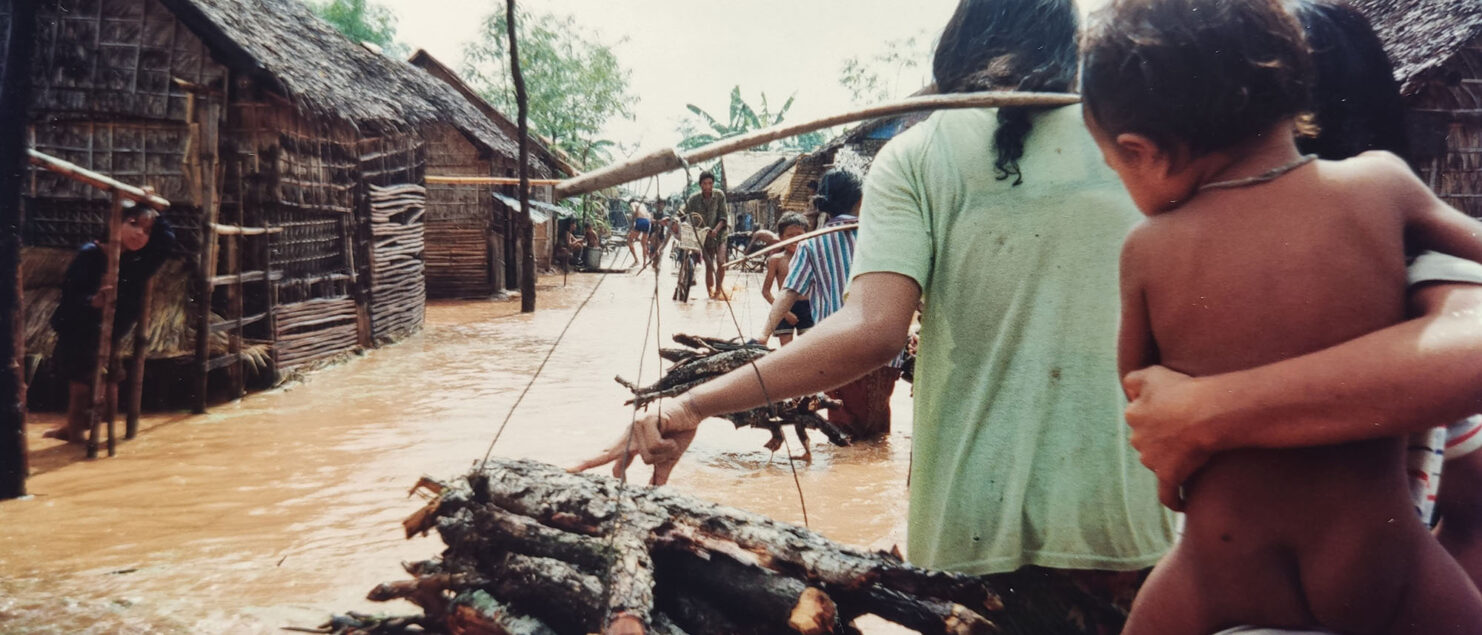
(568,251)
(1009,223)
(710,205)
(799,318)
(146,240)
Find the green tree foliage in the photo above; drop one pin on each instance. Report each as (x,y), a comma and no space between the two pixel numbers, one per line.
(362,21)
(897,70)
(702,128)
(574,81)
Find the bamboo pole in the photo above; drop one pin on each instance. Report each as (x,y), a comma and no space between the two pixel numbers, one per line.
(792,241)
(141,350)
(109,289)
(102,182)
(668,159)
(486,180)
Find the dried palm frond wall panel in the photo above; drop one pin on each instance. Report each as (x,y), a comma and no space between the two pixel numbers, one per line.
(393,168)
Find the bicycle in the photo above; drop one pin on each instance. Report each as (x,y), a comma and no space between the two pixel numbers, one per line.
(688,251)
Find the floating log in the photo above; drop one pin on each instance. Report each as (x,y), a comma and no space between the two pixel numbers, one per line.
(530,544)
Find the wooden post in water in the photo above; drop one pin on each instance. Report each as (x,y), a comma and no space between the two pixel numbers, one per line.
(141,350)
(15,95)
(527,228)
(109,290)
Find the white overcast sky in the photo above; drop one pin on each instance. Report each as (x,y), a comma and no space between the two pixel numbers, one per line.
(694,51)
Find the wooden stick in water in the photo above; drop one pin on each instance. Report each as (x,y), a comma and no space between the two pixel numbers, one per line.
(112,251)
(668,159)
(141,350)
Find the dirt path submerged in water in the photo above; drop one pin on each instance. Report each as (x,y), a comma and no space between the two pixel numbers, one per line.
(286,507)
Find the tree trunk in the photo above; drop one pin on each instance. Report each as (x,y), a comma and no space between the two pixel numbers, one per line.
(15,95)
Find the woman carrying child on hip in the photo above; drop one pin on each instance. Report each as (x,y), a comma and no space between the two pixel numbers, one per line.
(1253,253)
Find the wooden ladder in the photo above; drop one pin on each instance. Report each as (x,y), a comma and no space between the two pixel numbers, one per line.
(232,240)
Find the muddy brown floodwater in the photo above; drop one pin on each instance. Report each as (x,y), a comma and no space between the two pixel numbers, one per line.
(286,507)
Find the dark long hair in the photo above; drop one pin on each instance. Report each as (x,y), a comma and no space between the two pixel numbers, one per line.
(1357,100)
(1027,45)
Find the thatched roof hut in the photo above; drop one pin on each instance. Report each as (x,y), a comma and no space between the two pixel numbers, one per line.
(855,148)
(282,44)
(761,194)
(469,231)
(1436,47)
(248,113)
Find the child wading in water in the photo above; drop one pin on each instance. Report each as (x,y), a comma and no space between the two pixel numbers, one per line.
(146,240)
(1251,254)
(800,318)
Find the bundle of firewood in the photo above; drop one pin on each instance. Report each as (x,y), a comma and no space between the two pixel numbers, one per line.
(704,359)
(534,549)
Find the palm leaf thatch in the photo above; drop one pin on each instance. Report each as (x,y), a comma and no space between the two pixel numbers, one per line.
(1422,35)
(323,73)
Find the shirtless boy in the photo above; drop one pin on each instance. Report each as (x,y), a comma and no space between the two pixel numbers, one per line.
(800,317)
(638,228)
(1251,254)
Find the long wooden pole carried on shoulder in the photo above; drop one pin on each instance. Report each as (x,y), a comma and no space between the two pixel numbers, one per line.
(672,159)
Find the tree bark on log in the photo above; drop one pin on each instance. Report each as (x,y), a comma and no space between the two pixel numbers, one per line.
(579,553)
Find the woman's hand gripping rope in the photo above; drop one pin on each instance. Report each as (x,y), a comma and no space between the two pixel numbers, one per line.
(659,438)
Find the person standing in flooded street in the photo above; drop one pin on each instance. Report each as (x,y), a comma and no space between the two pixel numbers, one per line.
(710,205)
(146,239)
(1008,224)
(800,317)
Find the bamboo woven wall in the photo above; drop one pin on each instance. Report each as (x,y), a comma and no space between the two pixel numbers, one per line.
(116,56)
(459,219)
(104,98)
(298,174)
(1454,99)
(395,201)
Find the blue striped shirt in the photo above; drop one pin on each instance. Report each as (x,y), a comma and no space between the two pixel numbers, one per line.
(820,269)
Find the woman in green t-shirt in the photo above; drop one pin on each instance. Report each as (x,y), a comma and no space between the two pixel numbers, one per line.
(1008,224)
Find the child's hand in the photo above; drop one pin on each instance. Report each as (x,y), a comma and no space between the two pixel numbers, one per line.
(101,297)
(791,319)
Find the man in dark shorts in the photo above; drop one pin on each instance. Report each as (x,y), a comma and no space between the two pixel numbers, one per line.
(638,233)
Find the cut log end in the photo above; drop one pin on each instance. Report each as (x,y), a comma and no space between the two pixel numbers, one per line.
(815,613)
(625,624)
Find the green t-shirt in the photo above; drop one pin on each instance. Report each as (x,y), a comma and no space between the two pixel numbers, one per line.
(1019,452)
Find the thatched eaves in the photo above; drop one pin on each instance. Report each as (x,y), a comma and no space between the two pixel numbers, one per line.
(510,131)
(759,185)
(323,73)
(1422,35)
